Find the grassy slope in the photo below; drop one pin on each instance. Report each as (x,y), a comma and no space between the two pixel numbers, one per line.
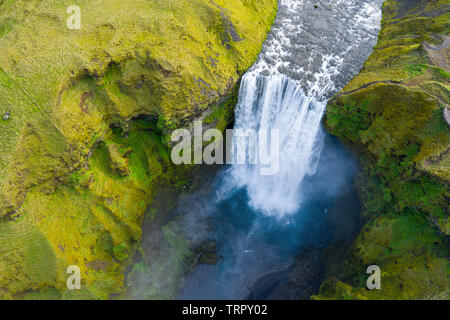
(77,167)
(397,130)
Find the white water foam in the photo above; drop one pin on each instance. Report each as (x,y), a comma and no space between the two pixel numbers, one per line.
(309,55)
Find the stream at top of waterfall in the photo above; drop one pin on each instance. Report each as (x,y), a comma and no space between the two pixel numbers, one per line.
(269,232)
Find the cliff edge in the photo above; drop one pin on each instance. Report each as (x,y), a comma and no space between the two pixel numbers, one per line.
(392,116)
(87,97)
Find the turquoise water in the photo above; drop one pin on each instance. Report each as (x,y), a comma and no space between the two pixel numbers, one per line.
(252,244)
(262,224)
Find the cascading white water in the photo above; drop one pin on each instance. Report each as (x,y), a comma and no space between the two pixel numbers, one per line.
(308,56)
(313,49)
(277,102)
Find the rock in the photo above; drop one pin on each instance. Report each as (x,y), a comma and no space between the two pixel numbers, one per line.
(439,55)
(304,278)
(207,252)
(83,93)
(299,282)
(390,115)
(208,258)
(446,113)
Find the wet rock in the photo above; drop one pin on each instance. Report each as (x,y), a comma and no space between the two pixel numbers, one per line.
(304,278)
(299,282)
(207,252)
(399,231)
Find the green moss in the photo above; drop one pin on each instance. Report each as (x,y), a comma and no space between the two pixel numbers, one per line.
(411,256)
(401,138)
(44,294)
(86,148)
(399,54)
(25,250)
(120,252)
(222,114)
(159,275)
(416,69)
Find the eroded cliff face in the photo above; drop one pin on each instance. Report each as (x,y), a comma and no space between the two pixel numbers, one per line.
(84,145)
(392,116)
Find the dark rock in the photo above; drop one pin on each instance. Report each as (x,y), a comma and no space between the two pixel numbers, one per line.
(304,278)
(207,252)
(299,282)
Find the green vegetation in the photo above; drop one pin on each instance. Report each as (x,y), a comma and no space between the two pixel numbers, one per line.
(149,277)
(397,129)
(416,69)
(84,150)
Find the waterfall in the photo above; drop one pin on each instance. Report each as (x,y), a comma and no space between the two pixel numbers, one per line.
(277,102)
(261,223)
(311,53)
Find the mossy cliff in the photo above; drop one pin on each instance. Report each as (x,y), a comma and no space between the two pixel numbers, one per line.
(84,146)
(392,116)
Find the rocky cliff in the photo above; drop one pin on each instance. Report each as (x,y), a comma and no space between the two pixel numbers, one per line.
(392,116)
(86,114)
